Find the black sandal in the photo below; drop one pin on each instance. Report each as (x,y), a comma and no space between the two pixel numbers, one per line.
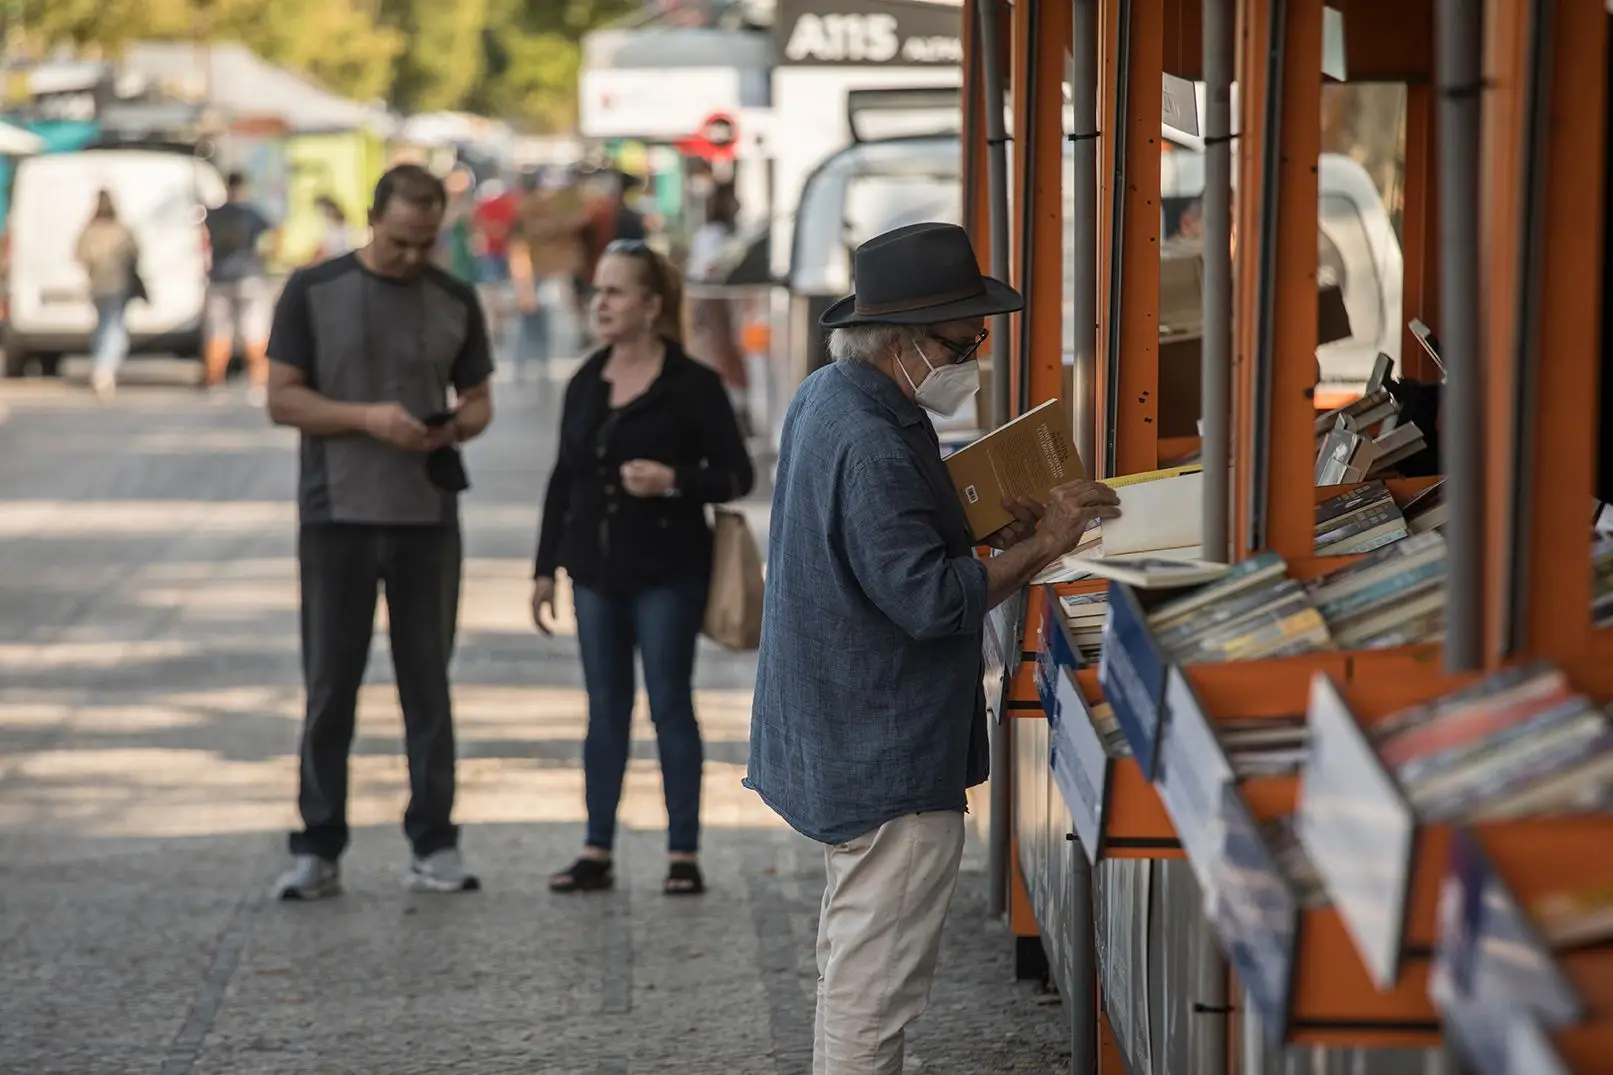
(683,879)
(584,875)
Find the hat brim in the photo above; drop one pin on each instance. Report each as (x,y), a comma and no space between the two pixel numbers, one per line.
(997,298)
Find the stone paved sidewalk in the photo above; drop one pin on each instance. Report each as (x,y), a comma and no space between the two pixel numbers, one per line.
(149,708)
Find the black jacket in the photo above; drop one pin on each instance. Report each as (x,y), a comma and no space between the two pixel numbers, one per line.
(607,539)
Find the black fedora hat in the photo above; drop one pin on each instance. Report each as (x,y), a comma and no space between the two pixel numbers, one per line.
(921,274)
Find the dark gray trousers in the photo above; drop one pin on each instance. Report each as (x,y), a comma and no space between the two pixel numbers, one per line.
(343,566)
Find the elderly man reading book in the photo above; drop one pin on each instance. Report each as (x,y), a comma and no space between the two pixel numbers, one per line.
(869,718)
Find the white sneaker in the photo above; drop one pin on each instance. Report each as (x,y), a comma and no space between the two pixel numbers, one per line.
(104,385)
(257,396)
(309,878)
(441,871)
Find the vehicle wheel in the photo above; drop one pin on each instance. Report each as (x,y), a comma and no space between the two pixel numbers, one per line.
(50,365)
(16,362)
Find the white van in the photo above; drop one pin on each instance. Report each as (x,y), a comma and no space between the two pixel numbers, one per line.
(162,193)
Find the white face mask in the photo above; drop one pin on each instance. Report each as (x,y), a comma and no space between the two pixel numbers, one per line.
(944,389)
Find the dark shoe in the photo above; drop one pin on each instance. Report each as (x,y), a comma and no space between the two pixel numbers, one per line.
(683,879)
(584,875)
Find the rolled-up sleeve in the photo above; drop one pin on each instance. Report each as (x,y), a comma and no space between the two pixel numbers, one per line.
(900,558)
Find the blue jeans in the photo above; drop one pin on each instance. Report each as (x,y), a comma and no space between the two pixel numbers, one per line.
(532,340)
(662,624)
(109,344)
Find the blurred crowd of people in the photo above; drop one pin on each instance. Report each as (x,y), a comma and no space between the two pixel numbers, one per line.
(531,247)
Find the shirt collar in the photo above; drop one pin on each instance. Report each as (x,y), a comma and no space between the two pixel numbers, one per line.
(882,390)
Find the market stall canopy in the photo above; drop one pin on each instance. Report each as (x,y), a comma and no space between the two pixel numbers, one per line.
(239,83)
(16,142)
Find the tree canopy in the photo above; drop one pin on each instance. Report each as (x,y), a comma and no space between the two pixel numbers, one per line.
(516,60)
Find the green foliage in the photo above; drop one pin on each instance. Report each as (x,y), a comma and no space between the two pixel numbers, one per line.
(514,59)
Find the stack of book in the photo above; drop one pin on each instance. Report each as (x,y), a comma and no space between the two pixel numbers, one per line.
(1254,610)
(1298,870)
(1114,740)
(1363,519)
(1602,583)
(1274,746)
(1365,437)
(1345,453)
(1574,917)
(1084,613)
(1520,743)
(1393,596)
(1425,510)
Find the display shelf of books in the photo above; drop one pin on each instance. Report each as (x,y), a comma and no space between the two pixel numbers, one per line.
(1353,619)
(1115,811)
(1523,928)
(1230,786)
(1392,770)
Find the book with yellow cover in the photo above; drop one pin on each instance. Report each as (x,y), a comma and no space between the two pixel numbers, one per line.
(1027,457)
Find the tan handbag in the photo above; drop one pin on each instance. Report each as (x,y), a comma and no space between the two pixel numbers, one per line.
(734,603)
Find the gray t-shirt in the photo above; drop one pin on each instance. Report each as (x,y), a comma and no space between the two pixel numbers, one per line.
(234,230)
(363,338)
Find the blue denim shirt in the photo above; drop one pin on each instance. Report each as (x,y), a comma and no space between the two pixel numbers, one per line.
(868,702)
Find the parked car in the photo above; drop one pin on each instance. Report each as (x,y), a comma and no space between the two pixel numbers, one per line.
(162,192)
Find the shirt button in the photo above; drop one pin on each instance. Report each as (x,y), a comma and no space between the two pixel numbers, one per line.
(611,489)
(610,508)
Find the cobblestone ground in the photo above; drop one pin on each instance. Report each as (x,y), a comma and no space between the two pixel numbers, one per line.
(149,708)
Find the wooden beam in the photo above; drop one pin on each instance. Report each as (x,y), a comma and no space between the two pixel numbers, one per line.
(1108,91)
(1387,40)
(1136,393)
(1022,19)
(1283,461)
(1505,104)
(1182,54)
(1044,149)
(1419,234)
(1558,473)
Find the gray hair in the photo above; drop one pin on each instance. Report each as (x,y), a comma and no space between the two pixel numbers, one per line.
(865,343)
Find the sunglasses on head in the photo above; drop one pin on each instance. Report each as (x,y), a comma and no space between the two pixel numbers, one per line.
(638,248)
(963,352)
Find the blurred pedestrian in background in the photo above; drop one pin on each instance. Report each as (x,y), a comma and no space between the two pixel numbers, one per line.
(454,248)
(492,221)
(109,255)
(547,250)
(712,330)
(365,349)
(238,301)
(336,236)
(647,440)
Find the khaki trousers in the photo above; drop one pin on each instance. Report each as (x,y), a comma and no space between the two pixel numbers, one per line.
(879,936)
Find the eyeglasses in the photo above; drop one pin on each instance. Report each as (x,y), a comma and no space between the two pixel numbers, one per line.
(963,352)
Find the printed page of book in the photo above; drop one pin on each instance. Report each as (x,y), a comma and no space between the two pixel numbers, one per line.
(1166,514)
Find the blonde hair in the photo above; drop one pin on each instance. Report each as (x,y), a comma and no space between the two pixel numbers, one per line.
(661,278)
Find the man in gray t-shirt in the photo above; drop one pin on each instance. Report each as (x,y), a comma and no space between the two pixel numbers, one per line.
(364,350)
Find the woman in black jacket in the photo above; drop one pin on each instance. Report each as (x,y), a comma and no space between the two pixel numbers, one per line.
(647,439)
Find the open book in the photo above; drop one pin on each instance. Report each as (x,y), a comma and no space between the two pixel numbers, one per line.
(1161,519)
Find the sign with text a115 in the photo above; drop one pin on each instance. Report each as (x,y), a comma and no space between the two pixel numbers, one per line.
(868,33)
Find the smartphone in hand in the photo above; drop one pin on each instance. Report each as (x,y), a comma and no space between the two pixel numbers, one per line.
(438,420)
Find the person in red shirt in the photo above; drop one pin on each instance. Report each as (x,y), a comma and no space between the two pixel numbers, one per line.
(492,221)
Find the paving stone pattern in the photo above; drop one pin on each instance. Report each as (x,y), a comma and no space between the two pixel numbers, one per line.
(149,710)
